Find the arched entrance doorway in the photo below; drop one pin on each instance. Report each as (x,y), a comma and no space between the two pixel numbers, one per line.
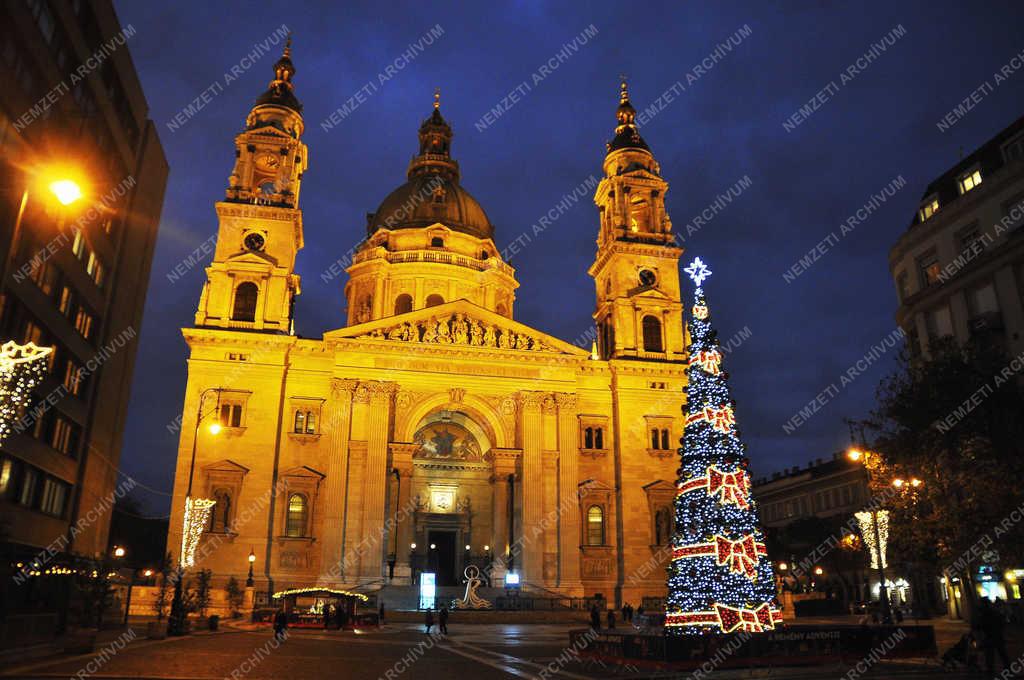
(452,486)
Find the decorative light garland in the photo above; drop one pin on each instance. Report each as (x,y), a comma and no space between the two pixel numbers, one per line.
(710,361)
(721,418)
(728,619)
(306,591)
(867,532)
(197,516)
(21,368)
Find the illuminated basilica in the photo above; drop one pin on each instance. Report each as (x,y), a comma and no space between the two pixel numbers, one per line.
(432,430)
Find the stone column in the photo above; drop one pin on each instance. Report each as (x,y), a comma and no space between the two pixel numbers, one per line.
(568,482)
(530,559)
(504,465)
(373,544)
(401,460)
(338,417)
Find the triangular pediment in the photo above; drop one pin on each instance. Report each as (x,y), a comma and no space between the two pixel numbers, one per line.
(303,471)
(649,292)
(226,466)
(659,485)
(252,257)
(269,131)
(458,323)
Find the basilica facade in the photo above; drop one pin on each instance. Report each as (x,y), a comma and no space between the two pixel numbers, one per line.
(432,430)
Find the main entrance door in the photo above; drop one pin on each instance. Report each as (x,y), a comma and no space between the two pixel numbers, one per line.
(442,556)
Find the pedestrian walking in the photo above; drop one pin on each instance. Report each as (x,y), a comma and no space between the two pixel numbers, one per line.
(328,611)
(625,612)
(992,625)
(611,619)
(629,612)
(442,618)
(280,624)
(428,621)
(595,618)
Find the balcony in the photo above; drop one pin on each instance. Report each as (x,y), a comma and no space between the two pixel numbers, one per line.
(442,257)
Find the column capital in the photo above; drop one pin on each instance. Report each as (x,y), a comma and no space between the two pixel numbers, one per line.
(374,389)
(531,400)
(341,386)
(567,402)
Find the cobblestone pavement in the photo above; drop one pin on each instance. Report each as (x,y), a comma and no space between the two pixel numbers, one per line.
(398,651)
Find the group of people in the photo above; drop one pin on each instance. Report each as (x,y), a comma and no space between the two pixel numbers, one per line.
(627,615)
(442,620)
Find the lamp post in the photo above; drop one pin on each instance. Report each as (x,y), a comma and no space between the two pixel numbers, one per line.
(176,620)
(858,456)
(249,582)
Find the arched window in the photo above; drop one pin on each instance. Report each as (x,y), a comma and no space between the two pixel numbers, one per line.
(300,421)
(245,301)
(595,525)
(664,439)
(654,439)
(652,334)
(403,303)
(598,438)
(295,525)
(588,438)
(434,300)
(220,518)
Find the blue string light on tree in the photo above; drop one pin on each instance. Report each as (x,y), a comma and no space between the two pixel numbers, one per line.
(719,579)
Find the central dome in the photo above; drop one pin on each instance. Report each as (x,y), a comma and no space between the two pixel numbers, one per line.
(433,194)
(428,199)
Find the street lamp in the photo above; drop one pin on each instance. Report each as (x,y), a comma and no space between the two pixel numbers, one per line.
(249,582)
(197,511)
(118,552)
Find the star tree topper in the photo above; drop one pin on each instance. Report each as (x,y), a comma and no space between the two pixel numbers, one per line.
(698,271)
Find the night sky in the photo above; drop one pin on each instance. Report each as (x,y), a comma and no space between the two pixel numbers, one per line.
(723,125)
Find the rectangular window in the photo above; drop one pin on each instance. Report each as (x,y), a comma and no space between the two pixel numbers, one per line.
(969,239)
(95,269)
(83,323)
(67,300)
(939,323)
(969,180)
(300,421)
(928,268)
(928,208)
(45,275)
(29,481)
(231,415)
(64,436)
(78,245)
(982,301)
(6,477)
(72,377)
(53,498)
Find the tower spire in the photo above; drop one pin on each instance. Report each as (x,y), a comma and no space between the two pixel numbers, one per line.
(627,135)
(435,146)
(437,98)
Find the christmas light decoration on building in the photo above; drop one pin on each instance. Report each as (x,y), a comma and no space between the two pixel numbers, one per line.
(196,519)
(867,532)
(308,591)
(21,369)
(719,577)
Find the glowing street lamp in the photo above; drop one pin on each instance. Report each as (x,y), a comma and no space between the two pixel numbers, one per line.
(818,571)
(67,191)
(783,566)
(855,455)
(214,428)
(898,483)
(119,552)
(250,582)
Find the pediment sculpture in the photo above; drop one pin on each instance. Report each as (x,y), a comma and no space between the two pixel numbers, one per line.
(459,329)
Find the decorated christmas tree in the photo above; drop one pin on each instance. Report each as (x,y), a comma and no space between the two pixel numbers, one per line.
(719,579)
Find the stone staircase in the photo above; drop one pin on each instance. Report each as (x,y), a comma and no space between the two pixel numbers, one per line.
(407,598)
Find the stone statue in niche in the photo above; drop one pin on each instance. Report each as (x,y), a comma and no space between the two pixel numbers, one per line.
(490,338)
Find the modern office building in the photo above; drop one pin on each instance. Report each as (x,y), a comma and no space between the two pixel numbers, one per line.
(959,266)
(74,275)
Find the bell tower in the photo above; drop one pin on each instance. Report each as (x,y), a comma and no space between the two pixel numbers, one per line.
(639,312)
(251,283)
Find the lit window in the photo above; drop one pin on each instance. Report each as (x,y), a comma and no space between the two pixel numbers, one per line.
(295,525)
(969,181)
(54,495)
(72,378)
(95,269)
(595,525)
(29,481)
(83,323)
(310,422)
(928,267)
(300,421)
(78,246)
(6,474)
(929,208)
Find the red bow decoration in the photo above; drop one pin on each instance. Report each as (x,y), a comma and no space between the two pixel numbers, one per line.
(709,361)
(733,487)
(722,419)
(700,312)
(750,620)
(741,555)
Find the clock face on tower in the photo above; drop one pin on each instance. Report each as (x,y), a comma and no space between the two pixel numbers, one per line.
(268,161)
(647,277)
(254,241)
